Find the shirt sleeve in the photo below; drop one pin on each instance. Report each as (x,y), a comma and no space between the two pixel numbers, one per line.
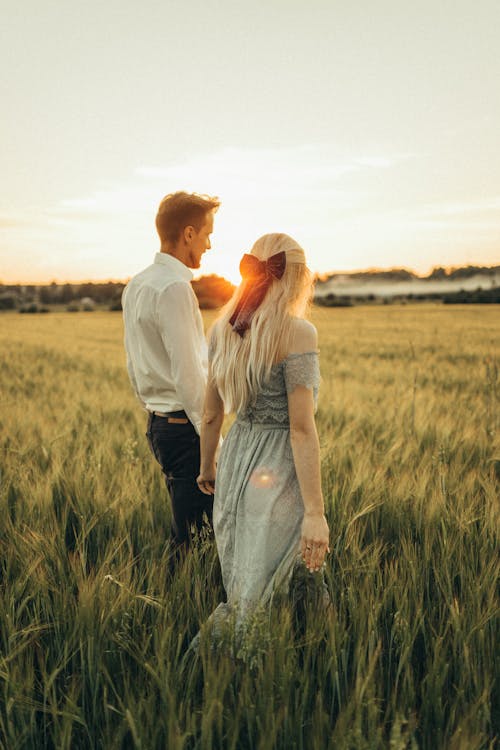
(130,366)
(133,381)
(181,330)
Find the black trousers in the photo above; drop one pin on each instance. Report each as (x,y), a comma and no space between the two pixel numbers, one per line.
(176,447)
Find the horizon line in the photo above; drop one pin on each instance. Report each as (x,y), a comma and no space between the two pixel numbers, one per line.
(319,275)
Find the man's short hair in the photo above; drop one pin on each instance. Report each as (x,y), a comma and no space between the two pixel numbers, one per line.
(180,210)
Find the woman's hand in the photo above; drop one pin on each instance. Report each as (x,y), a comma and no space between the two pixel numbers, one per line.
(314,540)
(206,481)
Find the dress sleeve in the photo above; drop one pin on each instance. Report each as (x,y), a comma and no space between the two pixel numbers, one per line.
(302,369)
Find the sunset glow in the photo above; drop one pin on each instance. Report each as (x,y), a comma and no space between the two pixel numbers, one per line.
(374,144)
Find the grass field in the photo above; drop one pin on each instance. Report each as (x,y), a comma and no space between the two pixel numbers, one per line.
(92,633)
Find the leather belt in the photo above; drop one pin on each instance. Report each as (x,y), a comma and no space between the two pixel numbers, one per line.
(173,417)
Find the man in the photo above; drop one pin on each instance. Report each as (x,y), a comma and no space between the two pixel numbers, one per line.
(167,353)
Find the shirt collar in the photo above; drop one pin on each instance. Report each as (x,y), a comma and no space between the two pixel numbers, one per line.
(175,265)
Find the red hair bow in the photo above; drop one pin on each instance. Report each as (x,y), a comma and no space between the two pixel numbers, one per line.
(258,276)
(251,268)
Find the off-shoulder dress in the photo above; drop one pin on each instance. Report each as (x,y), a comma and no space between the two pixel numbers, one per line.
(258,506)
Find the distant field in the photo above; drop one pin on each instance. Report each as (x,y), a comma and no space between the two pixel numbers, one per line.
(92,633)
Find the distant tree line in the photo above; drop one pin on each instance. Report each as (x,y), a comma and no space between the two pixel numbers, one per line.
(212,292)
(462,297)
(465,272)
(478,296)
(403,274)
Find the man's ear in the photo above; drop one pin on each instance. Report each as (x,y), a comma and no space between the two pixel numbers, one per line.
(188,234)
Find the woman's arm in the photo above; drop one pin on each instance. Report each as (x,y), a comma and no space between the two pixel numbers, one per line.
(305,448)
(211,424)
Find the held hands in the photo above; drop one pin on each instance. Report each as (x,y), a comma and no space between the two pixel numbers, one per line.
(206,481)
(314,540)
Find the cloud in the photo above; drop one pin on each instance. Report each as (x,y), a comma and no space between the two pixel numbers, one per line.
(7,223)
(347,210)
(12,221)
(484,205)
(244,173)
(286,189)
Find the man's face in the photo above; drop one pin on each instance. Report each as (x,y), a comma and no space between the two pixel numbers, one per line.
(200,242)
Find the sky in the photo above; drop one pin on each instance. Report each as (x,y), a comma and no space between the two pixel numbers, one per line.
(369,131)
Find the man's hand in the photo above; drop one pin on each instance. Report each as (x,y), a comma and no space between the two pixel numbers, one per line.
(206,481)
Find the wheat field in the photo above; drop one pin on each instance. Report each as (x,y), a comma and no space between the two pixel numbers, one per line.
(93,630)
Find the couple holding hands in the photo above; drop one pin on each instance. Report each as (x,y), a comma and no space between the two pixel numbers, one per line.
(262,490)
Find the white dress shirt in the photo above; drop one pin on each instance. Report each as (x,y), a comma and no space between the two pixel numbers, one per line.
(164,339)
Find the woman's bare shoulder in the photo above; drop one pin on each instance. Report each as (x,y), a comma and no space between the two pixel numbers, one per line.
(304,337)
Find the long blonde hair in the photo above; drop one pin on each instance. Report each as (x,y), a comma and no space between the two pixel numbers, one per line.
(241,365)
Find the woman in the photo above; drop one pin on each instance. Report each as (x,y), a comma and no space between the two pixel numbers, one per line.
(268,505)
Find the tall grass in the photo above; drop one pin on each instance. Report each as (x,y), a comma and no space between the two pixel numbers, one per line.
(93,629)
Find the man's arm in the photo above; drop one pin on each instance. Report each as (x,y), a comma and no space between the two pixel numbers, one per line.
(183,340)
(130,366)
(213,417)
(133,381)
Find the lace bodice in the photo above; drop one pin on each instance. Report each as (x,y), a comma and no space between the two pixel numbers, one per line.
(271,405)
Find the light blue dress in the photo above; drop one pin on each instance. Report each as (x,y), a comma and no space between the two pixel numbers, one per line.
(258,506)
